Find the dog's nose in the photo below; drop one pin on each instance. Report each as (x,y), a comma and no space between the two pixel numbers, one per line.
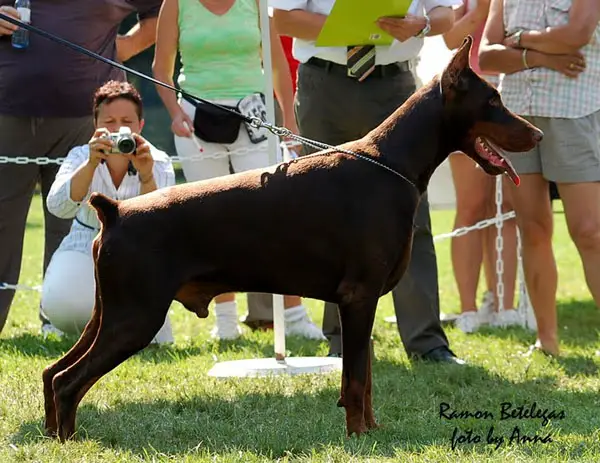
(538,135)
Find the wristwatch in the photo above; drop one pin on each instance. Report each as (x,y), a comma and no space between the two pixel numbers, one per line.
(426,29)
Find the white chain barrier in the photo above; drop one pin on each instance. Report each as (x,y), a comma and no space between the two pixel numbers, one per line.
(478,226)
(43,161)
(497,221)
(456,233)
(201,156)
(20,287)
(499,247)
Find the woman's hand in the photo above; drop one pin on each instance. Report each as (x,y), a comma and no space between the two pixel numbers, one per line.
(142,159)
(182,125)
(99,146)
(7,28)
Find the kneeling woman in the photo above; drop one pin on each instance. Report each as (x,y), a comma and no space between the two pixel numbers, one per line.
(68,290)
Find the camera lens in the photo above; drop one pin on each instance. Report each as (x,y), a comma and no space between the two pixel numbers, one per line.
(126,145)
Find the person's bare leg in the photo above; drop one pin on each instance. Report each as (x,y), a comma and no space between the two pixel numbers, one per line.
(582,210)
(291,301)
(472,194)
(534,219)
(488,242)
(226,297)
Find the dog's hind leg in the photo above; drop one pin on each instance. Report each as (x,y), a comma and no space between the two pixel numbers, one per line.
(370,421)
(119,337)
(357,319)
(81,346)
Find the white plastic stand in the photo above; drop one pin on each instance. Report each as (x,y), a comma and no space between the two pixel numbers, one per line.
(271,367)
(279,364)
(445,318)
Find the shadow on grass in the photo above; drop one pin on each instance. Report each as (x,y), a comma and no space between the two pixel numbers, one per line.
(406,399)
(54,347)
(36,346)
(577,327)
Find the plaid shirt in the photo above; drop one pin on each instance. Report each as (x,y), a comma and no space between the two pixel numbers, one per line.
(544,92)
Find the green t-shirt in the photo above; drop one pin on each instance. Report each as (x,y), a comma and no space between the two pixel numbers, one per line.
(220,55)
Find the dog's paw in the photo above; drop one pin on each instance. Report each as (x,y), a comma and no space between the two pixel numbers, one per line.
(356,426)
(372,425)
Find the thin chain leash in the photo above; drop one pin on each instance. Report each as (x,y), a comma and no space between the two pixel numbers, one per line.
(283,132)
(254,121)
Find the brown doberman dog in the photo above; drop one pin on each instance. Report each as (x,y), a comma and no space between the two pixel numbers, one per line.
(350,241)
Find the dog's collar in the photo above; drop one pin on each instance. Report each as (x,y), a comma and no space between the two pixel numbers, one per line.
(336,149)
(378,163)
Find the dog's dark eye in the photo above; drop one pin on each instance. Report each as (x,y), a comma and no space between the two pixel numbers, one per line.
(495,101)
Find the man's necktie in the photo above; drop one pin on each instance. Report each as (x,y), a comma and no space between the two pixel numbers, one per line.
(361,61)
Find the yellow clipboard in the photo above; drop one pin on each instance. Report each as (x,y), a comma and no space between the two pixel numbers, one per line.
(352,22)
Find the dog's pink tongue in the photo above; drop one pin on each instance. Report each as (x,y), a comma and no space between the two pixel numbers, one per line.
(511,172)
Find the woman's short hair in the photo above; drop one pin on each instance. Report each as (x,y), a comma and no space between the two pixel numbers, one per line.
(113,90)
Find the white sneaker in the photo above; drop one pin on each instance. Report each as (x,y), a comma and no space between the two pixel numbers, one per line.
(486,311)
(49,328)
(528,316)
(510,317)
(165,334)
(298,323)
(227,326)
(530,320)
(468,322)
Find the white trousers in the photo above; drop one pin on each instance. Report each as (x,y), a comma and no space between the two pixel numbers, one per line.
(255,156)
(68,294)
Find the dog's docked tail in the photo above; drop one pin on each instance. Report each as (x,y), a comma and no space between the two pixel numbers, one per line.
(106,208)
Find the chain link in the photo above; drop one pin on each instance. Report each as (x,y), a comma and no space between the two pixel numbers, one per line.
(292,142)
(478,226)
(499,247)
(458,232)
(201,156)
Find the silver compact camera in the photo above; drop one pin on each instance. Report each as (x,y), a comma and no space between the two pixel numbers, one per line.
(122,142)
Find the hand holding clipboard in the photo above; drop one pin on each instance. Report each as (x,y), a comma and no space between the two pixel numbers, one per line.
(354,22)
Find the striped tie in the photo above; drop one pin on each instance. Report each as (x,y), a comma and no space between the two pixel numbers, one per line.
(361,61)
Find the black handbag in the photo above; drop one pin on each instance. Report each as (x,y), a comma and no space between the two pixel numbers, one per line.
(215,125)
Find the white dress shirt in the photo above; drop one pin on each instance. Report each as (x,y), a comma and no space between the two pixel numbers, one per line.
(303,50)
(60,204)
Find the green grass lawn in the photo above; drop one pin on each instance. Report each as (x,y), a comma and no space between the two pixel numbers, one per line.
(162,406)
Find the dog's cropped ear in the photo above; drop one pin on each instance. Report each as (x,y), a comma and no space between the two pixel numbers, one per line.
(453,77)
(460,60)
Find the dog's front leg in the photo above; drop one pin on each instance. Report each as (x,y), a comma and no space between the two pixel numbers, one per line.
(370,421)
(357,323)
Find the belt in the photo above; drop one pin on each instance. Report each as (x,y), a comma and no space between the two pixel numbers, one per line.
(382,70)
